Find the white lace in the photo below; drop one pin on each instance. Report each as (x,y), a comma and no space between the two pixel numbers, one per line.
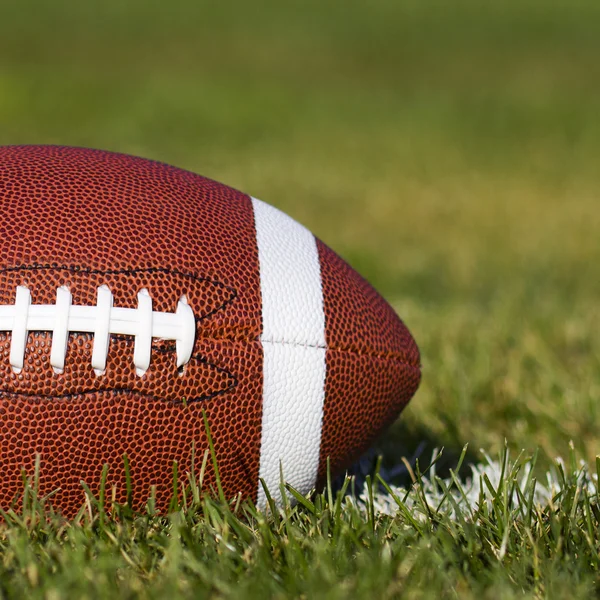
(101,320)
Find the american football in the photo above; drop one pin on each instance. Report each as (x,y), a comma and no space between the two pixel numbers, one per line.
(137,298)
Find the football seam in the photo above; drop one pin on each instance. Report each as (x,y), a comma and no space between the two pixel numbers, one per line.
(371,354)
(165,348)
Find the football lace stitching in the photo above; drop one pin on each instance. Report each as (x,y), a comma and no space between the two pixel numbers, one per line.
(101,320)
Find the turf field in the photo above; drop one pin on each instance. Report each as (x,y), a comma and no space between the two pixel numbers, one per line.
(449,151)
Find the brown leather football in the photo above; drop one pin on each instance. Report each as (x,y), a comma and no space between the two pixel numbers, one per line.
(135,296)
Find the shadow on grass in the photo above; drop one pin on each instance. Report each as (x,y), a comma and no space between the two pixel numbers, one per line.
(409,445)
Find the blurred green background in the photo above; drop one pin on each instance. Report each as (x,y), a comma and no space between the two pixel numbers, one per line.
(448,150)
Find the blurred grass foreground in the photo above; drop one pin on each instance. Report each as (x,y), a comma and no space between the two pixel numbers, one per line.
(449,151)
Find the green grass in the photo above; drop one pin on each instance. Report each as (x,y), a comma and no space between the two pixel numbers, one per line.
(501,534)
(448,151)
